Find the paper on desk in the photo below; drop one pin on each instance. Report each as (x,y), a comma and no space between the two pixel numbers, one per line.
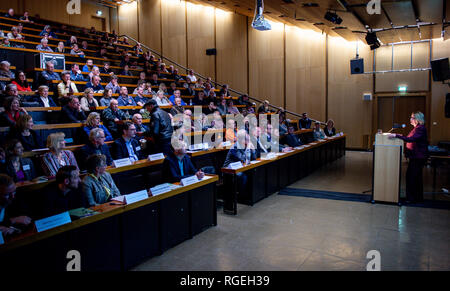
(120,198)
(254,162)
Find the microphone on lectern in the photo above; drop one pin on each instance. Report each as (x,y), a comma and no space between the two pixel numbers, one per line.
(396,125)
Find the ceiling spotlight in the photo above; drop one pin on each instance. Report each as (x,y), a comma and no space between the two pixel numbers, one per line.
(372,40)
(333,17)
(99,12)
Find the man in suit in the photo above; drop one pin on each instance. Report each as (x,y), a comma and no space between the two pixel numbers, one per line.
(178,165)
(64,194)
(291,139)
(111,116)
(72,113)
(96,146)
(304,122)
(127,146)
(9,213)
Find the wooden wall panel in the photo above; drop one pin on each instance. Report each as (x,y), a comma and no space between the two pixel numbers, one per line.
(306,72)
(128,20)
(266,64)
(48,9)
(346,107)
(88,18)
(416,81)
(231,44)
(173,31)
(5,5)
(200,36)
(150,23)
(440,125)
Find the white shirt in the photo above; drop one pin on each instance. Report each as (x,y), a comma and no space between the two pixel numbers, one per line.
(45,100)
(192,78)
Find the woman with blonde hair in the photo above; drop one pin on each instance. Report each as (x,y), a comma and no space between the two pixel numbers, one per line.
(416,150)
(88,100)
(329,129)
(93,121)
(57,157)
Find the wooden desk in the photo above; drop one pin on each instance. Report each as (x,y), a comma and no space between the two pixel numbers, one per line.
(266,177)
(120,236)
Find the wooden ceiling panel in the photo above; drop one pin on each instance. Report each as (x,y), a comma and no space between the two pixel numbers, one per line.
(401,12)
(375,21)
(346,34)
(388,36)
(408,34)
(430,10)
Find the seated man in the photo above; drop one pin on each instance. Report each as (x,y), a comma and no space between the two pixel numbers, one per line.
(113,85)
(14,34)
(95,85)
(9,209)
(111,116)
(88,67)
(44,46)
(96,145)
(124,99)
(48,75)
(5,71)
(177,108)
(66,88)
(178,165)
(106,69)
(48,31)
(140,127)
(11,14)
(75,74)
(72,113)
(318,132)
(304,122)
(292,139)
(176,94)
(63,195)
(127,146)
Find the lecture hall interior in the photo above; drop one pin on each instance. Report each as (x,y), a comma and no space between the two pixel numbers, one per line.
(225,135)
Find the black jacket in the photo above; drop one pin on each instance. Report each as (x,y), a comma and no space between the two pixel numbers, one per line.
(55,202)
(33,141)
(120,150)
(161,124)
(238,155)
(68,115)
(293,141)
(27,167)
(90,149)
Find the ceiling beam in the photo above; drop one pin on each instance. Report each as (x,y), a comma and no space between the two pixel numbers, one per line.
(349,8)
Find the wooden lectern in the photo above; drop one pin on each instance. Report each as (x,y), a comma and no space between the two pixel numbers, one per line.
(387,161)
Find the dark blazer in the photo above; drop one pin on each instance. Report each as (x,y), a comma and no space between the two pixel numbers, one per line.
(90,149)
(29,143)
(68,115)
(50,101)
(27,167)
(304,123)
(293,141)
(55,202)
(171,168)
(329,133)
(238,155)
(416,143)
(120,150)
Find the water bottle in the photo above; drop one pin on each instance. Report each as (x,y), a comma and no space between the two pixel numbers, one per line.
(247,156)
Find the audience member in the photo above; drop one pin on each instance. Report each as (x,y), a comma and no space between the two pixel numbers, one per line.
(124,99)
(318,132)
(127,146)
(26,17)
(161,100)
(222,107)
(19,168)
(264,108)
(177,165)
(329,130)
(106,98)
(140,99)
(10,14)
(191,78)
(76,50)
(292,139)
(72,113)
(48,31)
(96,145)
(92,122)
(231,108)
(43,99)
(126,71)
(111,116)
(49,74)
(88,101)
(44,46)
(57,157)
(14,34)
(64,194)
(12,112)
(98,185)
(5,70)
(211,108)
(160,126)
(177,108)
(76,75)
(88,66)
(95,85)
(177,94)
(304,122)
(66,88)
(113,85)
(140,127)
(23,132)
(106,69)
(21,82)
(60,48)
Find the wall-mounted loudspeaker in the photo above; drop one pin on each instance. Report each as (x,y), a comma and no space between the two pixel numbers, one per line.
(357,66)
(211,52)
(440,69)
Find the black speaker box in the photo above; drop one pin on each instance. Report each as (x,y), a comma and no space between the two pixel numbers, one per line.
(440,69)
(357,66)
(211,52)
(447,105)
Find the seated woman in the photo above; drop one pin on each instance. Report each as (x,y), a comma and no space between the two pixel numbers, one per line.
(73,40)
(318,132)
(93,121)
(43,99)
(231,108)
(19,168)
(106,98)
(98,186)
(76,50)
(161,100)
(23,132)
(329,129)
(57,157)
(60,48)
(12,112)
(21,82)
(88,100)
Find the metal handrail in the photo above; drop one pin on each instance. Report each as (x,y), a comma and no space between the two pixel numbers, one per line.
(216,83)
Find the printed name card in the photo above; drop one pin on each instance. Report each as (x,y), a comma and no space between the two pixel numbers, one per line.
(189,180)
(160,189)
(235,166)
(226,143)
(52,221)
(1,238)
(136,197)
(205,146)
(156,157)
(122,162)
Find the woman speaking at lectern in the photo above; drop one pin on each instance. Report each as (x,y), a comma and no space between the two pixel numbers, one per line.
(416,150)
